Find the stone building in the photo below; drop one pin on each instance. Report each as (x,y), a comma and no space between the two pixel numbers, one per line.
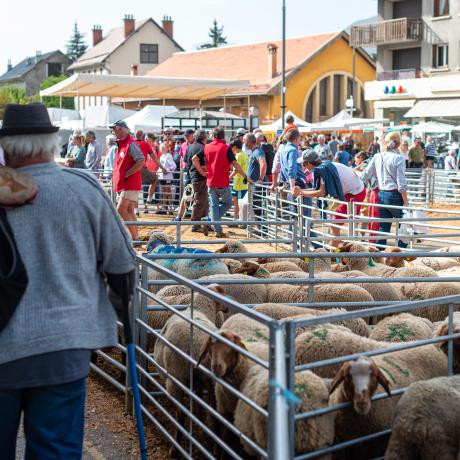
(31,71)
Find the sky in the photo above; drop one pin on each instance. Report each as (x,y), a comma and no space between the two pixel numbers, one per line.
(46,25)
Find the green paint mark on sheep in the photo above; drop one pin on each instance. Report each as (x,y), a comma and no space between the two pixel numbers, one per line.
(399,333)
(260,335)
(321,334)
(390,375)
(302,389)
(390,361)
(370,263)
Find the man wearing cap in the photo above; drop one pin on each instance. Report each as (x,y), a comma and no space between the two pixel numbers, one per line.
(69,239)
(127,181)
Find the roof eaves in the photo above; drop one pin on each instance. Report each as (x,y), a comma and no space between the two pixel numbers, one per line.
(300,66)
(163,32)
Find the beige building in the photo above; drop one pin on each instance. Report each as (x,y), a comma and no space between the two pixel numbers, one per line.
(135,48)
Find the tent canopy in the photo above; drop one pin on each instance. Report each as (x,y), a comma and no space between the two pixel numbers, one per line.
(149,118)
(435,108)
(127,86)
(342,120)
(58,116)
(104,115)
(432,127)
(277,125)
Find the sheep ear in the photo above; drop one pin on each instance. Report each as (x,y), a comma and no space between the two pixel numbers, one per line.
(204,351)
(444,330)
(339,377)
(222,250)
(410,259)
(346,247)
(220,319)
(262,260)
(217,288)
(236,339)
(249,268)
(383,381)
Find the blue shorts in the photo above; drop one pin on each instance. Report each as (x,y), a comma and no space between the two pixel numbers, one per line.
(239,194)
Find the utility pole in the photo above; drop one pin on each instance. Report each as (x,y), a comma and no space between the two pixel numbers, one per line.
(353,85)
(283,68)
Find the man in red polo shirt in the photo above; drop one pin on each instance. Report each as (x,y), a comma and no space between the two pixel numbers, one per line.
(219,158)
(127,182)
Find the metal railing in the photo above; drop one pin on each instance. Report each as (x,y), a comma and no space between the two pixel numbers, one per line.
(190,414)
(400,74)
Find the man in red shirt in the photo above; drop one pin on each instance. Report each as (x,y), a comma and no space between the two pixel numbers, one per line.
(219,158)
(127,182)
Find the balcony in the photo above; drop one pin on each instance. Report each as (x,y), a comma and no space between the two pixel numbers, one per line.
(402,74)
(381,33)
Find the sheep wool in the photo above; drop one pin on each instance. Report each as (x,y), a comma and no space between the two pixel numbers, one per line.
(402,328)
(426,422)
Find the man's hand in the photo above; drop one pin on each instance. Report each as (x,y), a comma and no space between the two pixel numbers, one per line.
(296,191)
(163,169)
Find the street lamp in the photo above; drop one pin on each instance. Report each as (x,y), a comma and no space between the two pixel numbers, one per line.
(283,66)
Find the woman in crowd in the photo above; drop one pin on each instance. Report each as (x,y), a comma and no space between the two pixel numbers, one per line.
(335,180)
(404,151)
(165,175)
(77,154)
(152,163)
(110,152)
(240,186)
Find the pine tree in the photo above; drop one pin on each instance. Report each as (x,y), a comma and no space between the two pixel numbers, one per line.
(76,46)
(216,36)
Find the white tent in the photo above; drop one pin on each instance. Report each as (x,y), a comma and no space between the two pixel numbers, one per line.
(432,127)
(143,87)
(342,120)
(104,115)
(149,118)
(277,125)
(59,116)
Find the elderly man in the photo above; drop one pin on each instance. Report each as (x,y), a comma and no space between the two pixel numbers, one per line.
(322,149)
(127,181)
(93,152)
(64,312)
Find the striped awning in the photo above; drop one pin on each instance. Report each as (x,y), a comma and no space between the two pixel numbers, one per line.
(425,108)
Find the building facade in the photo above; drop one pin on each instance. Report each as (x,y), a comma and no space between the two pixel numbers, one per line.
(31,71)
(132,49)
(319,77)
(418,59)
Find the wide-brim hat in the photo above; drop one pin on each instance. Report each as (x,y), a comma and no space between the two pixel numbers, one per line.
(26,119)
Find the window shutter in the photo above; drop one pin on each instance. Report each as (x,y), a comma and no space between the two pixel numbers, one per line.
(435,54)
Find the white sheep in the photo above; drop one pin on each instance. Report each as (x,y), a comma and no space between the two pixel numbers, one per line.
(357,382)
(252,381)
(426,422)
(402,328)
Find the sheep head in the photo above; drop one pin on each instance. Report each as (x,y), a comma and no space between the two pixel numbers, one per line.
(232,246)
(360,264)
(444,346)
(360,380)
(248,268)
(214,310)
(396,262)
(156,239)
(224,358)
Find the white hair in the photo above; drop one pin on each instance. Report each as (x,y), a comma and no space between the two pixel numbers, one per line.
(31,145)
(110,139)
(322,137)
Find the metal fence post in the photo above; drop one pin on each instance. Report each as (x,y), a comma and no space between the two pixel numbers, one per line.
(290,365)
(351,215)
(294,236)
(450,343)
(250,207)
(141,333)
(276,212)
(278,421)
(308,235)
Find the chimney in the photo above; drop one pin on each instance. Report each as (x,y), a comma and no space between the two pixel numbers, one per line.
(9,66)
(97,34)
(167,25)
(133,70)
(29,60)
(272,54)
(129,24)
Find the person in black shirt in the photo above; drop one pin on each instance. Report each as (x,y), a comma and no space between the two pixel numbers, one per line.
(200,206)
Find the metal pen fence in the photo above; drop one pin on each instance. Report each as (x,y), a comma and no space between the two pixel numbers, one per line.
(188,418)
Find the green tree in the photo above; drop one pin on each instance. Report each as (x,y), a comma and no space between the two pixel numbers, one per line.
(216,35)
(76,46)
(55,101)
(14,95)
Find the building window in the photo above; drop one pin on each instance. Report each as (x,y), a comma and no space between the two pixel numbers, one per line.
(309,110)
(323,88)
(337,93)
(149,54)
(440,56)
(441,8)
(54,69)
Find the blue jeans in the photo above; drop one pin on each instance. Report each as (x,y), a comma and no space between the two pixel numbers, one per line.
(393,199)
(218,209)
(53,421)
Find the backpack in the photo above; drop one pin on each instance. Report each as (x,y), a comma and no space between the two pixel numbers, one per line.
(269,156)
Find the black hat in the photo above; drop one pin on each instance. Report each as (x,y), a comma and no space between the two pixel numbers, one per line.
(189,132)
(26,119)
(120,124)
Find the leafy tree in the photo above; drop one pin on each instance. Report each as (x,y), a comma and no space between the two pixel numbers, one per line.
(54,101)
(14,95)
(216,35)
(76,46)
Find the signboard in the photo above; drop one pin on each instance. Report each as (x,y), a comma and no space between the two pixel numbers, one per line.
(279,132)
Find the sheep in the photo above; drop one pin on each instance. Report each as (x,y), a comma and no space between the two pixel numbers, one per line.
(436,263)
(327,341)
(285,293)
(281,266)
(249,330)
(233,247)
(178,332)
(455,248)
(423,291)
(452,271)
(442,329)
(160,243)
(357,381)
(280,311)
(252,381)
(402,328)
(320,264)
(242,293)
(252,269)
(426,422)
